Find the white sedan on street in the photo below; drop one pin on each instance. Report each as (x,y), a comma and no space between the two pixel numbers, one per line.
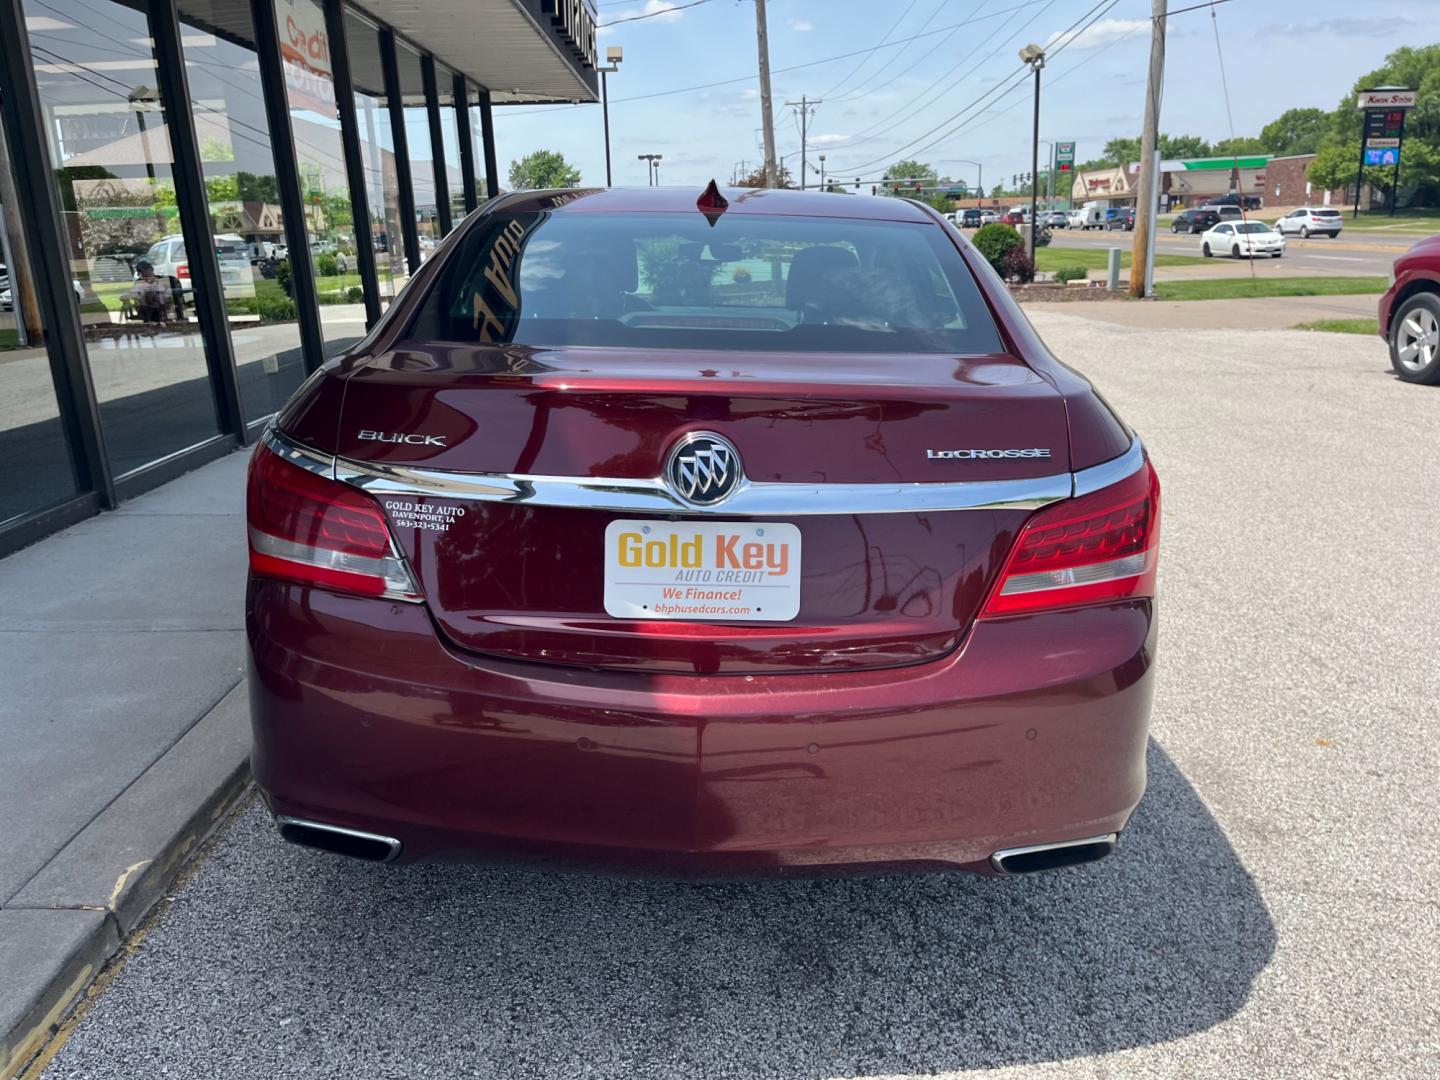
(1242,238)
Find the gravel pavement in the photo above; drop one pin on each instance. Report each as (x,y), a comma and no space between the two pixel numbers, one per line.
(1274,910)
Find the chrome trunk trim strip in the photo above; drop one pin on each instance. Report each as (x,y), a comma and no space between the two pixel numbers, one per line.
(751,498)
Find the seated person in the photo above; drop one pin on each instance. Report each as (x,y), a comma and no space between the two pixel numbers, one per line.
(149,294)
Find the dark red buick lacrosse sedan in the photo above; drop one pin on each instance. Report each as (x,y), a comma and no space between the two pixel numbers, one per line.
(753,533)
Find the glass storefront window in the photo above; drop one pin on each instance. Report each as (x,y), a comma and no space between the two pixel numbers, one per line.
(324,187)
(377,153)
(244,201)
(450,142)
(95,70)
(36,467)
(417,138)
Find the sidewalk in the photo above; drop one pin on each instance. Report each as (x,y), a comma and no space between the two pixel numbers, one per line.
(124,730)
(1249,313)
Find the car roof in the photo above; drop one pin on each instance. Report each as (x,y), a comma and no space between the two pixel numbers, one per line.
(742,201)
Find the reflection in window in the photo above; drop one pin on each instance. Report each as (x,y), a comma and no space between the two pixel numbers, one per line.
(248,228)
(450,140)
(95,71)
(36,469)
(319,158)
(377,153)
(417,137)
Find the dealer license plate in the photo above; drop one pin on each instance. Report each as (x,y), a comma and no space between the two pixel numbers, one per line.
(722,571)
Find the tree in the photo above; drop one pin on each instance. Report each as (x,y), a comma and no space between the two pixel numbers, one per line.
(910,170)
(543,169)
(757,178)
(1420,157)
(1296,131)
(1239,146)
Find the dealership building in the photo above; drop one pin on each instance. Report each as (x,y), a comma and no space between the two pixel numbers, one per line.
(202,200)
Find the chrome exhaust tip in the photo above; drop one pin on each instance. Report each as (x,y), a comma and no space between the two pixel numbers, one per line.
(338,841)
(1036,857)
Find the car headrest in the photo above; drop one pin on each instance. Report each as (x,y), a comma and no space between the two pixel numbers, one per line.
(814,273)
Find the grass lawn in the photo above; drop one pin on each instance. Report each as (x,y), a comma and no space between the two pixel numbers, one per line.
(9,339)
(1233,288)
(1368,327)
(1426,221)
(1052,258)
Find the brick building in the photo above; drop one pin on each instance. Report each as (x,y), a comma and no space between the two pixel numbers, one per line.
(1287,183)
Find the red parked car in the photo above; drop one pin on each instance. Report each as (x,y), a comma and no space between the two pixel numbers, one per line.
(1410,313)
(753,534)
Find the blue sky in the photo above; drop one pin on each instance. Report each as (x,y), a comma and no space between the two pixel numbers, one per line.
(1278,54)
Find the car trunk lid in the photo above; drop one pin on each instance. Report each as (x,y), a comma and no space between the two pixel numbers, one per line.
(511,576)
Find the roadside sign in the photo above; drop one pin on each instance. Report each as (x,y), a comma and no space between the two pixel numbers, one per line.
(1064,171)
(1386,99)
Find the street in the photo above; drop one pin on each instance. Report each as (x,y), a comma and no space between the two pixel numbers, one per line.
(1347,255)
(1273,909)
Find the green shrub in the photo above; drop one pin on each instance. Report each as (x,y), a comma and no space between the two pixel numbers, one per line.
(1071,273)
(327,265)
(282,276)
(356,295)
(274,308)
(995,241)
(741,276)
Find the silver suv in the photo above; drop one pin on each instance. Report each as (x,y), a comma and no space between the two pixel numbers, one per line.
(1310,220)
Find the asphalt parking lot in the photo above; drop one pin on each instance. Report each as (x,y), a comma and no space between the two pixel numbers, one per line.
(1274,909)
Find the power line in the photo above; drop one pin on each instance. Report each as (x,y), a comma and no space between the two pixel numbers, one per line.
(856,69)
(1093,15)
(651,14)
(919,104)
(517,111)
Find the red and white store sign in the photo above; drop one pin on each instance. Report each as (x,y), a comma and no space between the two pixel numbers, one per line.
(1386,99)
(305,54)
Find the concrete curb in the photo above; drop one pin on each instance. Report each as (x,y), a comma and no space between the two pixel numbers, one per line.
(58,932)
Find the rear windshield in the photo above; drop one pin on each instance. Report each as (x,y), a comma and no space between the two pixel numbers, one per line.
(749,282)
(1326,213)
(1252,227)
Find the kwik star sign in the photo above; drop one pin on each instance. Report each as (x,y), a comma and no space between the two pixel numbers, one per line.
(1384,130)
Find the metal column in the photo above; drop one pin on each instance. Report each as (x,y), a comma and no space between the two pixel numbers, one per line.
(487,136)
(287,179)
(437,142)
(411,235)
(207,294)
(461,96)
(354,162)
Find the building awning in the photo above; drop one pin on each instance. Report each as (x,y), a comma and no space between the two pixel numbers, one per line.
(520,50)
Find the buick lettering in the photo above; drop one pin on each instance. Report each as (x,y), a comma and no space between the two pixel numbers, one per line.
(703,532)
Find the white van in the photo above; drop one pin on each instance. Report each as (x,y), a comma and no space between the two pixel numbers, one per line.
(1089,216)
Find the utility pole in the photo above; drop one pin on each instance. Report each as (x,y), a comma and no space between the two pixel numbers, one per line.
(767,118)
(806,107)
(1141,268)
(1034,55)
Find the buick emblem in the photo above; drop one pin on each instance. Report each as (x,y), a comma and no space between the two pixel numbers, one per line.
(703,469)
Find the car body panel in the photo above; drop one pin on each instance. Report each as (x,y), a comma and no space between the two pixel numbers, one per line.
(1416,270)
(370,722)
(899,731)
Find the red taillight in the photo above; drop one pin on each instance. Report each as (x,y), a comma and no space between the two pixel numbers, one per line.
(1093,549)
(182,271)
(308,528)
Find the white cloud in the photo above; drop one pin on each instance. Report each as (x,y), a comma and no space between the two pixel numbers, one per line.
(1100,33)
(660,11)
(829,139)
(800,26)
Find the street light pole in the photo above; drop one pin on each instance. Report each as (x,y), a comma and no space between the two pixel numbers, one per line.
(1034,55)
(649,160)
(822,172)
(613,55)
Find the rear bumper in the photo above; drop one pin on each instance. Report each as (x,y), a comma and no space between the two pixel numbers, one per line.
(1033,732)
